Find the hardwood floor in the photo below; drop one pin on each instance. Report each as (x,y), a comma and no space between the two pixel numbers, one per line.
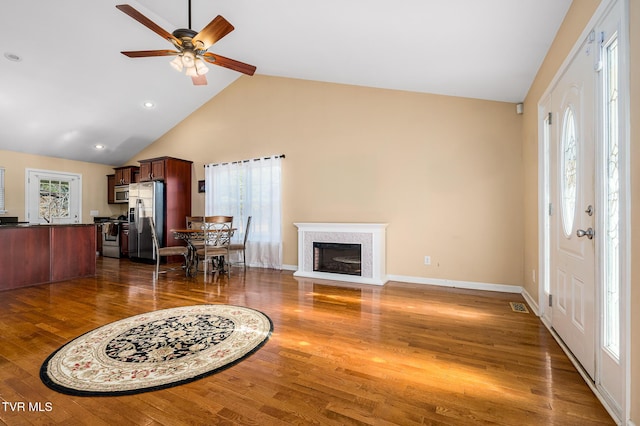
(340,354)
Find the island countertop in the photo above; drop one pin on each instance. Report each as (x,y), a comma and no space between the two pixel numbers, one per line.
(33,254)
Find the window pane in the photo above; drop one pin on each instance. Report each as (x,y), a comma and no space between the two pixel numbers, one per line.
(54,199)
(569,170)
(612,215)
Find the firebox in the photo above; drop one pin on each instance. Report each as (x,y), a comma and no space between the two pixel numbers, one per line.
(337,258)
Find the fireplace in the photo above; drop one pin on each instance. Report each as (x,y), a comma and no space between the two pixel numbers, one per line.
(338,258)
(352,252)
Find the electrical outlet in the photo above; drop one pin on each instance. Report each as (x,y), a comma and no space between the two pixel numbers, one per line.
(94,213)
(427,260)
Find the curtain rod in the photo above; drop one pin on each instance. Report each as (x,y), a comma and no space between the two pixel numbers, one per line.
(245,161)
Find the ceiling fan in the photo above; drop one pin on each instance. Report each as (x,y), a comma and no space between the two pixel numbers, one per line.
(192,46)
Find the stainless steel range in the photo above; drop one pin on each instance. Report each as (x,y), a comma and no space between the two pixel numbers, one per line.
(111,238)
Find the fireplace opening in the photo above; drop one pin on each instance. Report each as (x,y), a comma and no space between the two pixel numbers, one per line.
(337,258)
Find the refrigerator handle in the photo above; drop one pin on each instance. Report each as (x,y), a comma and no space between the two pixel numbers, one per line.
(139,215)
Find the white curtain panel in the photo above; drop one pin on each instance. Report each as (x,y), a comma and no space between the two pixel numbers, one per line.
(250,188)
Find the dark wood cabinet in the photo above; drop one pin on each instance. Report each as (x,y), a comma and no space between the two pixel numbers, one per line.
(98,240)
(111,185)
(145,171)
(158,169)
(44,253)
(176,174)
(124,239)
(153,169)
(125,175)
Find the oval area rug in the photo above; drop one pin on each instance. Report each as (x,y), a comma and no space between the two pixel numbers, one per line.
(156,350)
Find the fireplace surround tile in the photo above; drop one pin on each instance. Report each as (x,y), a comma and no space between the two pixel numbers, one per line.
(370,235)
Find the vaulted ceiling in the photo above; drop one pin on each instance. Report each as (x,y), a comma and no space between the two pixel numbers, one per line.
(71,88)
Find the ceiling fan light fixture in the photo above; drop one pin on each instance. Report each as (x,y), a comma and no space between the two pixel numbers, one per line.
(192,47)
(201,68)
(176,63)
(188,59)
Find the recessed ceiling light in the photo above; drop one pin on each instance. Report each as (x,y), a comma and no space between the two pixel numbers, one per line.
(12,57)
(99,146)
(148,104)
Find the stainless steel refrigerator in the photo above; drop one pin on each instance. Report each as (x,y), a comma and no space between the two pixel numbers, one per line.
(146,201)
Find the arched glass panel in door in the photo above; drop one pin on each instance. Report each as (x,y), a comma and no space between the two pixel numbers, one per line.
(569,172)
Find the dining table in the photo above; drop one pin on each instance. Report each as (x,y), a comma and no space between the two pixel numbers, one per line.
(193,236)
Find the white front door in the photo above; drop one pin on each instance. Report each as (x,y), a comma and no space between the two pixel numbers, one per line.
(584,212)
(573,208)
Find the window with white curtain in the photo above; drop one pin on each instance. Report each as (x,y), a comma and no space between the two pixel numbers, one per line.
(250,188)
(2,209)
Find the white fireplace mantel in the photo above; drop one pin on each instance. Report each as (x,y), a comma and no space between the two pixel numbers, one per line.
(371,236)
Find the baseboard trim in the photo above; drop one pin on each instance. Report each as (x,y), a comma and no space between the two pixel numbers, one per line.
(469,285)
(531,302)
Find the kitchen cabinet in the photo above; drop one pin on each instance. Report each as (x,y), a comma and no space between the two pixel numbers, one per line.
(124,239)
(153,169)
(98,240)
(176,174)
(125,175)
(46,253)
(111,185)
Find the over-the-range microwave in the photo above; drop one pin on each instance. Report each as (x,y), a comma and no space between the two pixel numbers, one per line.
(121,194)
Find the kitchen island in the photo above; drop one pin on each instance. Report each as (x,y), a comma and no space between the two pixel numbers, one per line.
(40,254)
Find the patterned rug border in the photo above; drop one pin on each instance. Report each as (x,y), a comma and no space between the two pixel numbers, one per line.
(75,392)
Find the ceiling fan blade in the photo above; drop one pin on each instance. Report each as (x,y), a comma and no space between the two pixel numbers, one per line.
(146,53)
(229,63)
(199,80)
(148,23)
(214,31)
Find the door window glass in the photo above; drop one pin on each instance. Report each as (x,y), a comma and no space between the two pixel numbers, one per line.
(569,173)
(54,200)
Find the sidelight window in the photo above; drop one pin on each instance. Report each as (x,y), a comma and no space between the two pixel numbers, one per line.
(612,204)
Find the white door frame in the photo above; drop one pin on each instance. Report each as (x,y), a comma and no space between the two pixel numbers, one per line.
(622,412)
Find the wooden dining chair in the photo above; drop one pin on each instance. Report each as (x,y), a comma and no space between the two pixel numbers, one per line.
(242,246)
(166,251)
(195,222)
(217,236)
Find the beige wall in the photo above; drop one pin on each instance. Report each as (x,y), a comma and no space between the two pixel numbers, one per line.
(576,20)
(444,172)
(94,182)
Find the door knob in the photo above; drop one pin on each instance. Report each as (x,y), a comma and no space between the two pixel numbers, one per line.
(588,233)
